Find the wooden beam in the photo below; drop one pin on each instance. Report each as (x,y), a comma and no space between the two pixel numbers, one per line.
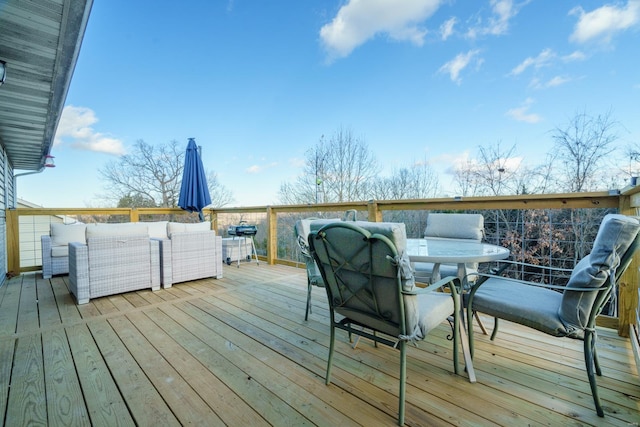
(272,236)
(13,242)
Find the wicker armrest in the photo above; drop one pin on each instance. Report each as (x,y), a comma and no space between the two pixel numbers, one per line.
(79,272)
(45,243)
(166,276)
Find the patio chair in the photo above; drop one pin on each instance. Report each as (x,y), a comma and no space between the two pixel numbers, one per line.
(563,311)
(55,247)
(116,258)
(190,252)
(302,228)
(372,293)
(450,226)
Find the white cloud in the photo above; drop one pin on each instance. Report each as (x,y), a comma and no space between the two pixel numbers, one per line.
(602,24)
(574,56)
(543,59)
(557,81)
(497,24)
(552,82)
(446,29)
(360,20)
(452,162)
(457,64)
(75,124)
(254,169)
(521,114)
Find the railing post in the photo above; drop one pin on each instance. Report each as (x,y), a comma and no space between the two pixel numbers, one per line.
(375,214)
(272,236)
(628,288)
(133,215)
(13,241)
(214,221)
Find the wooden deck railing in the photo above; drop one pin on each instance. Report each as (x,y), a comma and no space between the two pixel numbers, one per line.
(626,202)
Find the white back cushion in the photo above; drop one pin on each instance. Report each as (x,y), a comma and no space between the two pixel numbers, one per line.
(455,226)
(157,229)
(63,234)
(124,229)
(179,227)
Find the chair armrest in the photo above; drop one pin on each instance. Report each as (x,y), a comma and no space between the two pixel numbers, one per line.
(47,267)
(504,266)
(45,240)
(451,282)
(79,271)
(524,282)
(166,275)
(508,264)
(154,246)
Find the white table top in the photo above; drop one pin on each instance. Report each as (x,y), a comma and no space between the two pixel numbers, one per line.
(453,251)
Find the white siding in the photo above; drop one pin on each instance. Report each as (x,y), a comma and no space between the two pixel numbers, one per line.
(6,196)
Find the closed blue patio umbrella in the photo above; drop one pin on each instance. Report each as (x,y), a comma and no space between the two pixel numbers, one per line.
(194,193)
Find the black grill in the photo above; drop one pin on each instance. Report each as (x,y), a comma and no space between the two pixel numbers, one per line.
(242,230)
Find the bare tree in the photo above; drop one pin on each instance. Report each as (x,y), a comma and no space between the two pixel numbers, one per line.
(416,182)
(151,176)
(220,195)
(632,169)
(340,169)
(582,148)
(348,168)
(150,172)
(465,178)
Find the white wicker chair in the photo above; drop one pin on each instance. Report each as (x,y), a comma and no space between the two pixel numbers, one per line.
(191,252)
(117,258)
(55,247)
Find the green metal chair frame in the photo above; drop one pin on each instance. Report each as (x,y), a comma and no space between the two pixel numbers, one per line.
(588,332)
(367,282)
(313,274)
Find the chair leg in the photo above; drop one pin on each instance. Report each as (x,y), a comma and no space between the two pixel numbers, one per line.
(484,330)
(403,381)
(456,325)
(330,360)
(596,361)
(306,314)
(495,328)
(590,360)
(470,330)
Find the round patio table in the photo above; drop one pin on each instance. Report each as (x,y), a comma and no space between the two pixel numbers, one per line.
(455,251)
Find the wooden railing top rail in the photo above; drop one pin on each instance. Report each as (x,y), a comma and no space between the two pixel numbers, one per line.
(601,199)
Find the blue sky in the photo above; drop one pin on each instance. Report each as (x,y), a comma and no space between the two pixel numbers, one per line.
(258,83)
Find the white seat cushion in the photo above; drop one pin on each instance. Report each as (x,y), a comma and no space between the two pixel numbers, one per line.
(60,251)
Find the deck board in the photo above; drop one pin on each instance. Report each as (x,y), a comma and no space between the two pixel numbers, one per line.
(237,351)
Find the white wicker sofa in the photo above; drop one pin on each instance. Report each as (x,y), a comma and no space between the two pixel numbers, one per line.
(116,258)
(55,247)
(189,252)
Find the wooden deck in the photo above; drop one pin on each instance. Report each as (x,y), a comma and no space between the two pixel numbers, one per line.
(236,351)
